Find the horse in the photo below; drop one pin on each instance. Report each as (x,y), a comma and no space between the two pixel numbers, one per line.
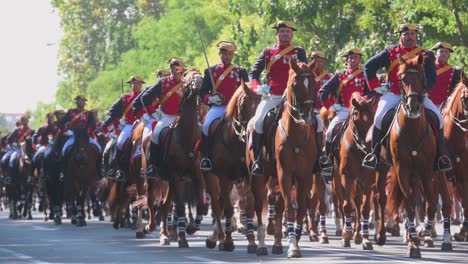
(80,172)
(455,115)
(229,137)
(54,177)
(356,182)
(295,150)
(181,182)
(412,148)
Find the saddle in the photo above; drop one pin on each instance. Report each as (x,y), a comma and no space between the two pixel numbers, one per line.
(337,136)
(270,124)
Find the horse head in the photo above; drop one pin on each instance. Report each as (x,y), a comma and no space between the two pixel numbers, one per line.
(192,80)
(27,151)
(464,94)
(81,142)
(362,113)
(301,92)
(413,88)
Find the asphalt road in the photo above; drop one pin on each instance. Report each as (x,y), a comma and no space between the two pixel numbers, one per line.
(39,242)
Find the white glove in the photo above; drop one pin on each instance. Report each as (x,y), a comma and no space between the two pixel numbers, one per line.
(145,118)
(69,133)
(122,124)
(158,115)
(215,99)
(14,145)
(383,89)
(337,107)
(51,141)
(263,89)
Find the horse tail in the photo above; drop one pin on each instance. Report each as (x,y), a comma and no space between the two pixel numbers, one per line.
(394,194)
(102,188)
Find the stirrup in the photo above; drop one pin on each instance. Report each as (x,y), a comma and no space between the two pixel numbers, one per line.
(370,161)
(152,172)
(444,164)
(119,176)
(257,169)
(205,164)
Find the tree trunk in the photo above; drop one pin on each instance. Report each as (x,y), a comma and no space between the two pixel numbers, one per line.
(459,23)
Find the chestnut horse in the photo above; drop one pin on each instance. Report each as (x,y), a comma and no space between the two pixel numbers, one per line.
(455,133)
(229,136)
(356,182)
(296,150)
(412,148)
(80,173)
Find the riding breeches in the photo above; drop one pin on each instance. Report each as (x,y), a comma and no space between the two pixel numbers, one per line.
(165,121)
(124,135)
(71,140)
(319,120)
(265,105)
(214,113)
(39,151)
(7,156)
(340,117)
(16,154)
(148,129)
(391,100)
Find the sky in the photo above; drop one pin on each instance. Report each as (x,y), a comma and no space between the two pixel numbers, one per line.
(30,34)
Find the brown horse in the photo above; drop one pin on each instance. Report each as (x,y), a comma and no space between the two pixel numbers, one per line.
(356,181)
(81,172)
(229,166)
(412,147)
(455,133)
(295,150)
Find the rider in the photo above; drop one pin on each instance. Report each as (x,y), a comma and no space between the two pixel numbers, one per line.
(166,92)
(447,76)
(275,61)
(41,139)
(15,138)
(77,116)
(226,77)
(340,89)
(389,58)
(122,109)
(322,76)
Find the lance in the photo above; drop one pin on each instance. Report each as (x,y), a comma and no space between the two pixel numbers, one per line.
(207,63)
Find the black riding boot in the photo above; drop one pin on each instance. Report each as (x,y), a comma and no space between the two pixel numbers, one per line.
(372,160)
(99,169)
(205,163)
(257,141)
(326,164)
(154,161)
(442,162)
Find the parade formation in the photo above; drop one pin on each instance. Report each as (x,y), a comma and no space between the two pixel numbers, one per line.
(290,139)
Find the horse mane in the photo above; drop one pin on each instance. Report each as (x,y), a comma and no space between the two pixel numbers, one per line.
(455,94)
(231,108)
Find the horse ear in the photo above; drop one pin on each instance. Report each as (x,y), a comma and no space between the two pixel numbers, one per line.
(355,103)
(312,64)
(293,65)
(401,60)
(420,59)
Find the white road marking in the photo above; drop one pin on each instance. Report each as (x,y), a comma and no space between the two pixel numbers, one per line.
(43,228)
(22,256)
(206,260)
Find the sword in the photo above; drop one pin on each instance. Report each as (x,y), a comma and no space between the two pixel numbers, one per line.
(207,63)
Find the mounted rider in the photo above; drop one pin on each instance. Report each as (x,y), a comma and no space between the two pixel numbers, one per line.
(339,90)
(167,93)
(21,133)
(122,112)
(73,118)
(447,76)
(42,136)
(227,77)
(322,76)
(389,58)
(275,61)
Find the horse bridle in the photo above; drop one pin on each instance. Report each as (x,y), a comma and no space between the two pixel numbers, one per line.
(240,124)
(404,97)
(457,121)
(294,106)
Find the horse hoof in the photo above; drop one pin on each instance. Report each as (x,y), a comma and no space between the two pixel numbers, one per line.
(183,244)
(73,221)
(263,251)
(101,218)
(133,226)
(339,232)
(323,240)
(313,238)
(270,228)
(429,243)
(346,242)
(210,243)
(367,246)
(358,239)
(140,235)
(226,246)
(296,253)
(459,237)
(164,241)
(277,250)
(115,225)
(380,240)
(81,223)
(251,249)
(57,221)
(447,247)
(414,253)
(192,229)
(46,219)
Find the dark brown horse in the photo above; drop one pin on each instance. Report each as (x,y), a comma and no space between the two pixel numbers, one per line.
(81,172)
(296,150)
(229,135)
(412,147)
(455,133)
(354,179)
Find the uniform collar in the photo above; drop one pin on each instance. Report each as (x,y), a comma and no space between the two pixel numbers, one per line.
(407,49)
(282,46)
(318,72)
(224,66)
(441,64)
(132,93)
(350,71)
(171,78)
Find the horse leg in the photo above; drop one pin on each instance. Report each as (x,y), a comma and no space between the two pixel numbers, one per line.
(301,197)
(323,208)
(286,187)
(164,239)
(381,232)
(277,248)
(447,204)
(312,210)
(227,244)
(413,241)
(347,208)
(259,189)
(365,211)
(80,212)
(462,234)
(213,189)
(151,226)
(357,222)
